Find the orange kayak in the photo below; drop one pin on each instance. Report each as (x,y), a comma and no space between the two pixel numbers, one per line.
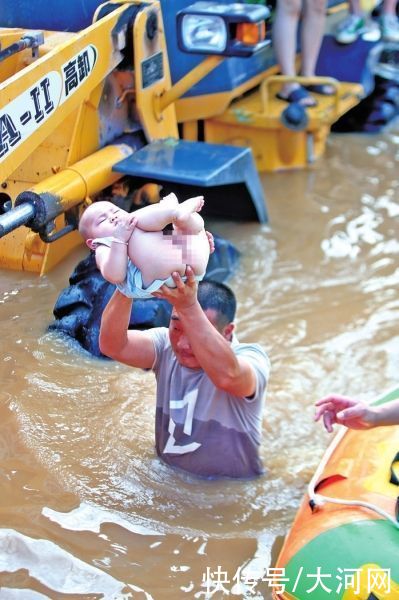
(347,550)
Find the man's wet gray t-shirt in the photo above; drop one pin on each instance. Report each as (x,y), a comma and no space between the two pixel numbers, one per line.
(200,428)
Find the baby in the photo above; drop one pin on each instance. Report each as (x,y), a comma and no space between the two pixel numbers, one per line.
(134,253)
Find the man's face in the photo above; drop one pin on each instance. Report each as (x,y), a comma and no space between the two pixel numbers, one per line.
(180,343)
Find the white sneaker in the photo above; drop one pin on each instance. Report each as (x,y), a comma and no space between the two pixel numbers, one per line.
(372,31)
(349,29)
(389,28)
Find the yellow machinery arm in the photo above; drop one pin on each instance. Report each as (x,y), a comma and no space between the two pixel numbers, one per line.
(47,200)
(62,98)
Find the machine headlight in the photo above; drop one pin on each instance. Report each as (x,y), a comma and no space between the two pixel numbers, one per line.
(203,33)
(229,29)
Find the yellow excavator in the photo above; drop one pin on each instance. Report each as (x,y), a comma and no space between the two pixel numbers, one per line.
(159,93)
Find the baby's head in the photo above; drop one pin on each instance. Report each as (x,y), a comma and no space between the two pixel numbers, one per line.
(99,220)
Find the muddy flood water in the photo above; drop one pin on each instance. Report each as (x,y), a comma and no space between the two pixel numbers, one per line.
(87,510)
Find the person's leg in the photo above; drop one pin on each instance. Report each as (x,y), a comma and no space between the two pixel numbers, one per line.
(184,216)
(349,29)
(285,29)
(389,21)
(389,7)
(313,25)
(355,8)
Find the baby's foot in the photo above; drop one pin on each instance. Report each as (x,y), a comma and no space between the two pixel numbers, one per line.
(189,206)
(184,214)
(170,200)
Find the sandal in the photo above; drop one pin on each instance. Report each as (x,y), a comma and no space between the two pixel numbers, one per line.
(321,88)
(300,96)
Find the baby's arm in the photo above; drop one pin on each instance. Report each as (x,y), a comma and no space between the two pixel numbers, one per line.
(112,260)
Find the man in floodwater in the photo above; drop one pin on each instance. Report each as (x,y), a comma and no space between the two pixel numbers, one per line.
(210,388)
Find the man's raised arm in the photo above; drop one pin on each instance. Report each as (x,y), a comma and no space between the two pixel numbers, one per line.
(134,348)
(228,372)
(213,351)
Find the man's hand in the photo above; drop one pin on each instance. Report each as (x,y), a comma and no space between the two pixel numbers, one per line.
(124,228)
(354,414)
(184,294)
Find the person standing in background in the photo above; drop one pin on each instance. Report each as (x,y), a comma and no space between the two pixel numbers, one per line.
(356,23)
(285,29)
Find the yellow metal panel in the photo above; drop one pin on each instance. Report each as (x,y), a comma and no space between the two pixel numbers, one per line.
(255,121)
(23,250)
(57,251)
(12,249)
(190,131)
(34,252)
(50,93)
(86,131)
(273,149)
(152,52)
(200,71)
(328,109)
(50,157)
(210,105)
(10,65)
(86,177)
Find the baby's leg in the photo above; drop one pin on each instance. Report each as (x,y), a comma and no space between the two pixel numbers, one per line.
(187,220)
(155,254)
(195,250)
(156,216)
(184,216)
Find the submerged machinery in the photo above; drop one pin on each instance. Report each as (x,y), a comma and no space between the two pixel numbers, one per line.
(162,94)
